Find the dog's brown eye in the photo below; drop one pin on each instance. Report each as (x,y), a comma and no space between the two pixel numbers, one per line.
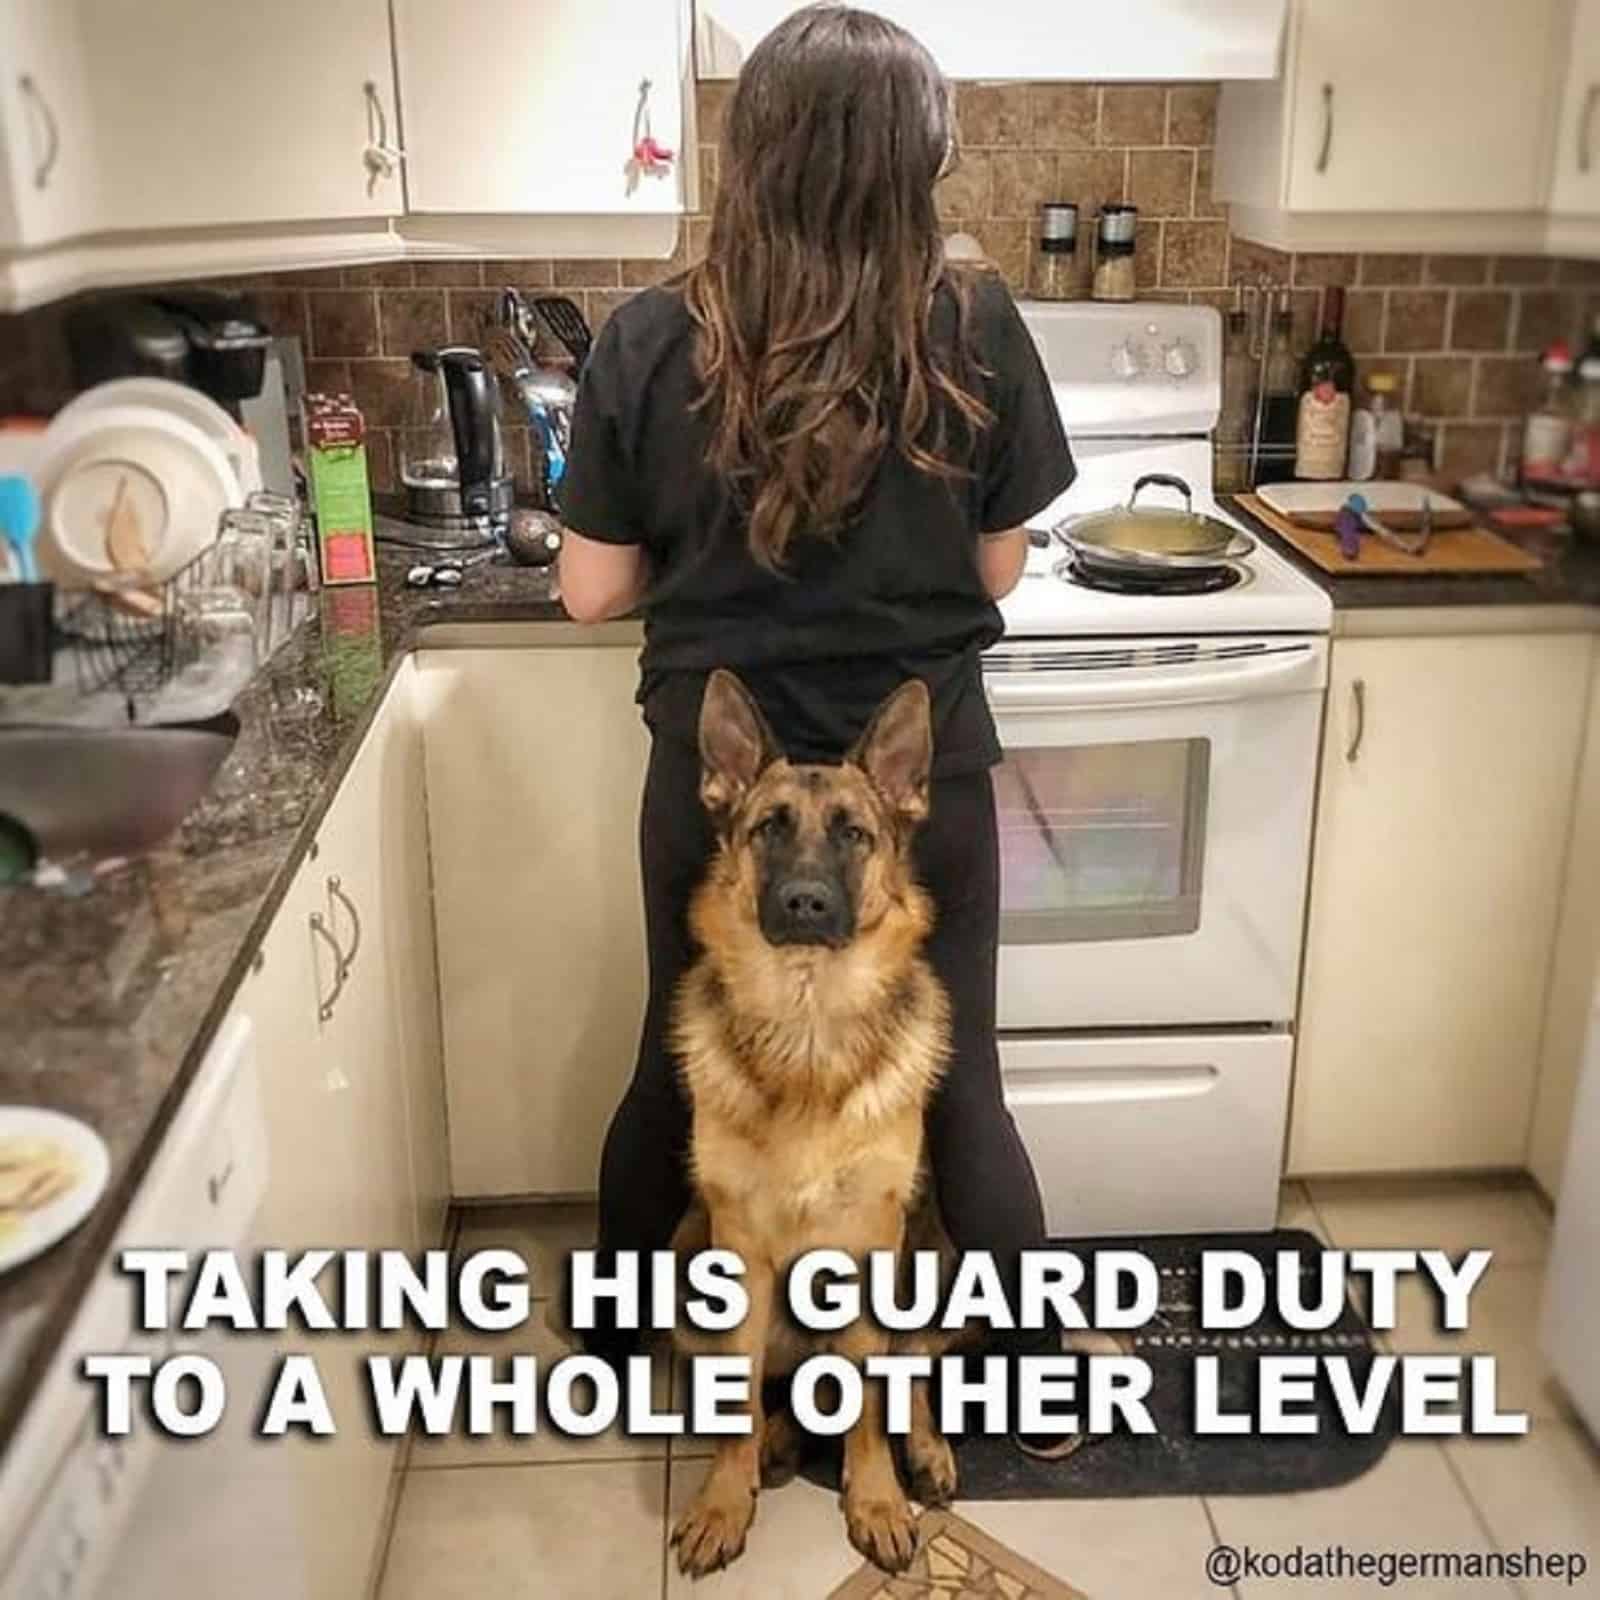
(855,835)
(767,826)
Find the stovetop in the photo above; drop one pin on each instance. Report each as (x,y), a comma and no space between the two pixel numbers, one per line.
(1274,598)
(1139,389)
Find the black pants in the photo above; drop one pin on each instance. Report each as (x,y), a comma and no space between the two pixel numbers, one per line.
(986,1187)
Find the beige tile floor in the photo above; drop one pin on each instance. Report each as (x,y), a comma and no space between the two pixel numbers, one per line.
(549,1519)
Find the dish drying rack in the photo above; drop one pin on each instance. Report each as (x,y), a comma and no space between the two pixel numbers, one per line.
(121,657)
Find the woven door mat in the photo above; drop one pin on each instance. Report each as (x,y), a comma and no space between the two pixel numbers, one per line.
(1175,1460)
(956,1561)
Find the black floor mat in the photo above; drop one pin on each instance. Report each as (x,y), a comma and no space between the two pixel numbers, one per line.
(1174,1460)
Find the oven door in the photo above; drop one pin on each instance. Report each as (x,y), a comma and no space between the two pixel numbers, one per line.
(1155,828)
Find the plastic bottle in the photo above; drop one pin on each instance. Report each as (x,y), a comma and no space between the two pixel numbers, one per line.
(1376,431)
(1547,433)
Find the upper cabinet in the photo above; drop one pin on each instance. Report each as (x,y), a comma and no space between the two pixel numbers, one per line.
(535,106)
(207,120)
(49,180)
(1022,39)
(1426,123)
(191,137)
(1575,170)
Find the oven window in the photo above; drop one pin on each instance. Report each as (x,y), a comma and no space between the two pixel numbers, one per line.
(1102,841)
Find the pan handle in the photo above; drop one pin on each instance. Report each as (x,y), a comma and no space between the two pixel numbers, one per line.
(1164,480)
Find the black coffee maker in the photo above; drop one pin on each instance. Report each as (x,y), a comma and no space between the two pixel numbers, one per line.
(214,342)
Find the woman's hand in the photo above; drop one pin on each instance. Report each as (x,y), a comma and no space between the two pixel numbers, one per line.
(1001,558)
(600,580)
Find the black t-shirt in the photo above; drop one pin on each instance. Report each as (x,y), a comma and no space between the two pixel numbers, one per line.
(898,595)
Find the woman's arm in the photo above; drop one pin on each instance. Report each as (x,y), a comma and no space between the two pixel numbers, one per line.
(1001,558)
(600,581)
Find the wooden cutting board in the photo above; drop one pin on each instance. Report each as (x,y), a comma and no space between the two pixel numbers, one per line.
(1450,550)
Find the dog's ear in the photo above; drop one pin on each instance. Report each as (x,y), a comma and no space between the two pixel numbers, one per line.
(735,742)
(896,751)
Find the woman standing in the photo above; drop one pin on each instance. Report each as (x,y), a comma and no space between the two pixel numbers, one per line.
(809,460)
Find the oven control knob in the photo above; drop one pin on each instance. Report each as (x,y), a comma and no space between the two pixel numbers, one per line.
(1179,358)
(1127,359)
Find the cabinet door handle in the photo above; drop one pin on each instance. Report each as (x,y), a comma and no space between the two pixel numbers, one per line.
(381,159)
(1327,129)
(336,892)
(1358,718)
(1585,127)
(377,118)
(52,133)
(325,1007)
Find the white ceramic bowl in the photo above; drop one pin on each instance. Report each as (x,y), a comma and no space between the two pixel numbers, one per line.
(176,478)
(186,403)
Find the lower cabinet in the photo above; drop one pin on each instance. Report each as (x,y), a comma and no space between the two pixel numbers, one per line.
(344,1003)
(1443,821)
(1573,970)
(535,760)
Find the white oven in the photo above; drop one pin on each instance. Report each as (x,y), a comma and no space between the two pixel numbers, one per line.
(1155,823)
(1154,805)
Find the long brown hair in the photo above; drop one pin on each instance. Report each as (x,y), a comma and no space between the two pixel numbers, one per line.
(812,304)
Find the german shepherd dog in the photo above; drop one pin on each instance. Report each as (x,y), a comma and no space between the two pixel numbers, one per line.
(810,1034)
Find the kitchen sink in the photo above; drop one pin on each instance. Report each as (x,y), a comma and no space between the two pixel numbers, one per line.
(108,791)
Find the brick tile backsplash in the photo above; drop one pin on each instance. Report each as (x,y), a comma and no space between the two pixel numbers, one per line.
(1461,332)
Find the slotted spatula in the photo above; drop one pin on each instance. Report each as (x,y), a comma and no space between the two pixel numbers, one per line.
(565,321)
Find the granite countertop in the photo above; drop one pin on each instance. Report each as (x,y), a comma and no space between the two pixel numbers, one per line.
(1570,576)
(108,1001)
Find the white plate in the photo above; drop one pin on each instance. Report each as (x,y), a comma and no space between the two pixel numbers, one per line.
(183,469)
(42,1228)
(1383,497)
(182,401)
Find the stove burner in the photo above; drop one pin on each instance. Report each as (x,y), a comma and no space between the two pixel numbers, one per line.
(1198,580)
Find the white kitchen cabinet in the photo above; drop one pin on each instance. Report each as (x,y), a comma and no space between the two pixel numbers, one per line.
(1022,39)
(49,178)
(530,105)
(321,1160)
(1434,115)
(352,1093)
(1573,969)
(535,760)
(1441,836)
(1575,169)
(376,900)
(213,117)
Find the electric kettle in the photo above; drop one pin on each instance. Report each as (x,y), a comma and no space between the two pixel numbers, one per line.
(452,460)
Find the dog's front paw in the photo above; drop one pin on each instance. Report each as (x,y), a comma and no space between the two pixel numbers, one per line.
(712,1531)
(882,1528)
(931,1467)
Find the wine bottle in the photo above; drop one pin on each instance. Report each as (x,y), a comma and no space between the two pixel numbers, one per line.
(1327,375)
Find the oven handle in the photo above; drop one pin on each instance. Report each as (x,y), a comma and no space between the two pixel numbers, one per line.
(1105,1085)
(1064,691)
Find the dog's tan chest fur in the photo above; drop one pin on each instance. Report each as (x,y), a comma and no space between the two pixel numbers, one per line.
(801,1183)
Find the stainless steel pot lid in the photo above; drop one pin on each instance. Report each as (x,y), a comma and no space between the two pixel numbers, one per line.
(1148,566)
(1160,534)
